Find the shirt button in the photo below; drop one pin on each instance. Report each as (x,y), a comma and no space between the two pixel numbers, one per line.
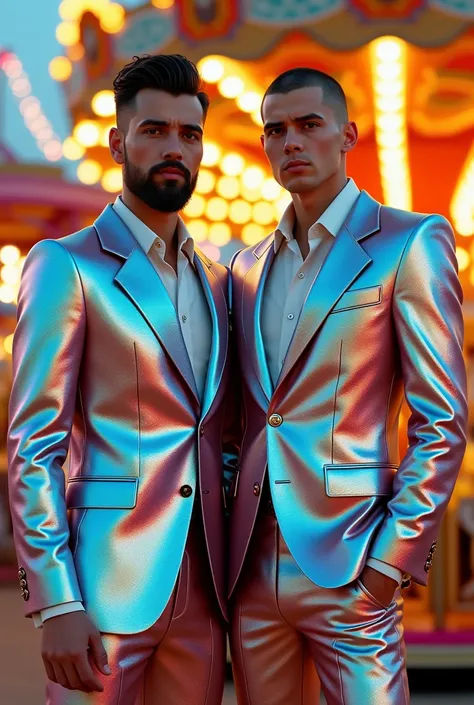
(301,275)
(186,491)
(184,318)
(290,316)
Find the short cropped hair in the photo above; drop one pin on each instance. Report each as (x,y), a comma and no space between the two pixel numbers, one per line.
(304,77)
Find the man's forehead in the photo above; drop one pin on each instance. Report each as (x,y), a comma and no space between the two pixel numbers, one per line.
(160,105)
(301,101)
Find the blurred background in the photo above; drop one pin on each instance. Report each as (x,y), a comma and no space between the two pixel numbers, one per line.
(407,67)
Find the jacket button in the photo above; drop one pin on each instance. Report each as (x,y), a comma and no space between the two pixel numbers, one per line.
(186,491)
(256,489)
(201,431)
(275,420)
(25,595)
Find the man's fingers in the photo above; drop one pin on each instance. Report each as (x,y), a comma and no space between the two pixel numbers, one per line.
(72,677)
(48,667)
(87,677)
(59,675)
(99,653)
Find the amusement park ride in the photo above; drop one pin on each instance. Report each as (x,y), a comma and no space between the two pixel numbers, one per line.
(407,67)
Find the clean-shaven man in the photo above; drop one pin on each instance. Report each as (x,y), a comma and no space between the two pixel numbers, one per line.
(120,360)
(345,307)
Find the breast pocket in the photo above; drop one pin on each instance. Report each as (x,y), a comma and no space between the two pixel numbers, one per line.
(358,298)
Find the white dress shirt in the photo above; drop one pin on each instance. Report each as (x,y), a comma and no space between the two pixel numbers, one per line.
(192,315)
(289,282)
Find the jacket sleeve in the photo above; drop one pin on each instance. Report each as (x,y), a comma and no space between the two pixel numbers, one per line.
(47,352)
(427,314)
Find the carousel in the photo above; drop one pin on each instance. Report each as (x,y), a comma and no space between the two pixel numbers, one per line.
(407,67)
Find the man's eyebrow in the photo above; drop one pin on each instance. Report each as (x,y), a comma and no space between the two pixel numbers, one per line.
(271,125)
(309,116)
(303,118)
(150,122)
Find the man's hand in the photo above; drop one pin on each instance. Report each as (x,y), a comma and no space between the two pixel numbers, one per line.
(66,640)
(379,585)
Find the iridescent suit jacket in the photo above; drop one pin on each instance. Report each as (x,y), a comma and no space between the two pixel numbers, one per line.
(101,371)
(383,318)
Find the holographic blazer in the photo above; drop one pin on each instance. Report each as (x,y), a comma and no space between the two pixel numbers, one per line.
(100,371)
(382,318)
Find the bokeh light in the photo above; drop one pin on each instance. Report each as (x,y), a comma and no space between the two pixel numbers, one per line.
(232,164)
(112,180)
(212,70)
(206,181)
(89,171)
(103,103)
(60,68)
(220,234)
(87,133)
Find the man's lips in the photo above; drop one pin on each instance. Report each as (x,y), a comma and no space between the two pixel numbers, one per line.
(295,165)
(171,172)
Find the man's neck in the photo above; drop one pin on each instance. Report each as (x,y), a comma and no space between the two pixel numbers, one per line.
(310,206)
(162,224)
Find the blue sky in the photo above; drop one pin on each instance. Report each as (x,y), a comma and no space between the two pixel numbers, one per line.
(28,28)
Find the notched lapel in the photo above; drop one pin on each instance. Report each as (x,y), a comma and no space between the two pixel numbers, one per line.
(140,282)
(220,327)
(251,312)
(345,262)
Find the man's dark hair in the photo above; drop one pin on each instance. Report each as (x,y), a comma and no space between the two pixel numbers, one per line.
(303,78)
(172,73)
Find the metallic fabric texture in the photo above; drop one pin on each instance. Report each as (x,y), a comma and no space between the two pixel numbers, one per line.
(101,371)
(383,318)
(180,659)
(286,631)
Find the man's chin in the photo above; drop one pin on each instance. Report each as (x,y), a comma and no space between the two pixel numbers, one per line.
(300,184)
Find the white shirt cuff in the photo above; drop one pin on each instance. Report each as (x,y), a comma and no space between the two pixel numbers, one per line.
(385,568)
(55,611)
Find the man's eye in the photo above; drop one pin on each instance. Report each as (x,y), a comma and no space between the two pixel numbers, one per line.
(274,131)
(152,131)
(311,125)
(190,136)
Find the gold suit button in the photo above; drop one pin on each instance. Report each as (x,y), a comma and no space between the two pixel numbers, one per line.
(275,420)
(21,573)
(256,489)
(186,491)
(26,595)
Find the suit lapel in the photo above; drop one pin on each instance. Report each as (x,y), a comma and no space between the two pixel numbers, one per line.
(345,262)
(220,327)
(141,283)
(251,312)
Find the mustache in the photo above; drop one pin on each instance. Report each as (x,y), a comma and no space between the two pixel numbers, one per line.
(170,163)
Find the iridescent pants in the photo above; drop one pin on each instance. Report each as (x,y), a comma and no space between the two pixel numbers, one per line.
(180,660)
(287,631)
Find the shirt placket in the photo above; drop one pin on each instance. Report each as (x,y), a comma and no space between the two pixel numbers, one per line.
(184,301)
(290,317)
(296,294)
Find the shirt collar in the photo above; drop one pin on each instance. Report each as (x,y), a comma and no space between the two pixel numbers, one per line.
(146,238)
(332,219)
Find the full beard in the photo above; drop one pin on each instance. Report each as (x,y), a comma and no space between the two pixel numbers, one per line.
(167,197)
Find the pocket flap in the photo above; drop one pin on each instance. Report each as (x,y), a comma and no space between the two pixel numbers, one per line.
(359,480)
(102,492)
(359,297)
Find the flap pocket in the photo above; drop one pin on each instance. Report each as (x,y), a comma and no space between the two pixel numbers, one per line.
(356,298)
(102,492)
(359,480)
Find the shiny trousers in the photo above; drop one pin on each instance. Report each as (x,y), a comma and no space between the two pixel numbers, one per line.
(179,660)
(286,631)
